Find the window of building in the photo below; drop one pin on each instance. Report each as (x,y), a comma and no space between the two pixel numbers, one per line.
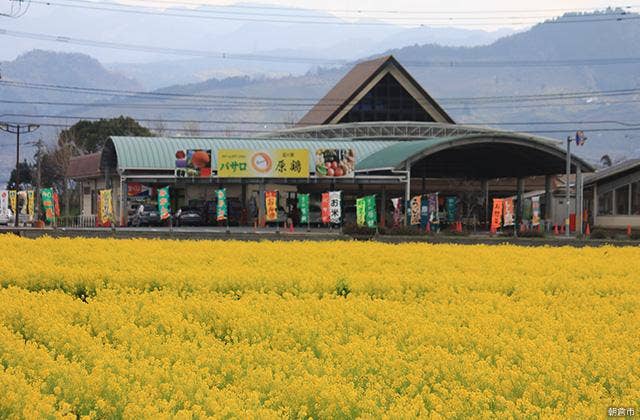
(605,204)
(622,200)
(635,198)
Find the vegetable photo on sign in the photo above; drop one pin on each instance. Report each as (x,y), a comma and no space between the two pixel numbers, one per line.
(335,162)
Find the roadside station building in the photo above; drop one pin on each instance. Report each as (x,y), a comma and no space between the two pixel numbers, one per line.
(385,135)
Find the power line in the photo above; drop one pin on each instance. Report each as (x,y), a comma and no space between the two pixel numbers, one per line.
(229,99)
(620,16)
(318,61)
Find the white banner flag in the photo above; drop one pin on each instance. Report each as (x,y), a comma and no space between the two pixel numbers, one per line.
(335,206)
(4,201)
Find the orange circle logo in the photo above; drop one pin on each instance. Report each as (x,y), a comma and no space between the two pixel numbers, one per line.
(261,162)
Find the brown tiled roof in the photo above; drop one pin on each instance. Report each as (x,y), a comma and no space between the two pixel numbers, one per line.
(85,166)
(349,87)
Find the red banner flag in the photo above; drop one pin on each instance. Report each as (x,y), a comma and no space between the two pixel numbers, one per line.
(271,204)
(496,217)
(325,208)
(56,204)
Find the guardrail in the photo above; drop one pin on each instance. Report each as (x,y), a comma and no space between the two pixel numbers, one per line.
(80,221)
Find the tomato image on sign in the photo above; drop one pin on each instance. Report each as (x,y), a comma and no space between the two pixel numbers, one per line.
(193,163)
(335,162)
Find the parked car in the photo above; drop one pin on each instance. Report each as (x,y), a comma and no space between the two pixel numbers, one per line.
(234,212)
(8,218)
(188,216)
(5,217)
(148,217)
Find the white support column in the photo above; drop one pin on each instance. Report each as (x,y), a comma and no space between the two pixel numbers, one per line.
(407,194)
(579,199)
(595,203)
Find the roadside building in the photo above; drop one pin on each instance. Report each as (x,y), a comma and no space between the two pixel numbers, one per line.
(613,195)
(384,134)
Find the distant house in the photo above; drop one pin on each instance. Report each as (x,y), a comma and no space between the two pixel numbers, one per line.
(85,170)
(613,195)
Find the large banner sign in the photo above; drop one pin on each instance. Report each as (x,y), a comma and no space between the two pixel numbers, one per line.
(221,205)
(337,163)
(193,163)
(164,207)
(271,205)
(535,217)
(271,163)
(324,208)
(303,207)
(106,207)
(496,216)
(47,204)
(509,214)
(335,206)
(415,210)
(137,189)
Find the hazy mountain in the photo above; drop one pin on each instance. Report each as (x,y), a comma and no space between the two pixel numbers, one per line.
(211,34)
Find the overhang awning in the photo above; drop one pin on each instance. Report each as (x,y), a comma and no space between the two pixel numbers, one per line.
(485,155)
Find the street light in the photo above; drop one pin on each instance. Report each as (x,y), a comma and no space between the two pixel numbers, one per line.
(18,129)
(579,139)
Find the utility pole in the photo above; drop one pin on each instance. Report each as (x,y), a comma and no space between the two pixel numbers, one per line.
(17,129)
(39,145)
(567,224)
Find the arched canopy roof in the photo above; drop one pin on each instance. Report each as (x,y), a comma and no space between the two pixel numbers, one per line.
(490,155)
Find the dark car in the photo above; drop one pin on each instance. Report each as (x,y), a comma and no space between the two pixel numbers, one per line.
(234,212)
(149,216)
(188,216)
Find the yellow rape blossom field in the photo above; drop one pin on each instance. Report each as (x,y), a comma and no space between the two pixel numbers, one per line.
(191,329)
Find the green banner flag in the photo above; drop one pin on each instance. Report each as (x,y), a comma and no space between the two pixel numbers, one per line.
(221,205)
(361,210)
(452,208)
(371,215)
(163,203)
(303,207)
(47,204)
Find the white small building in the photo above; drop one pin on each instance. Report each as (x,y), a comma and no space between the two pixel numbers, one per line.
(613,195)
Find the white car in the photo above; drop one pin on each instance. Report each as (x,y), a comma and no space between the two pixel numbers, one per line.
(6,217)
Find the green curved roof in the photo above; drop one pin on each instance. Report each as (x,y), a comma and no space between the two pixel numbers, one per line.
(159,152)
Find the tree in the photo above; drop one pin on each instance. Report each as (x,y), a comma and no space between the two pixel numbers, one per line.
(26,175)
(90,136)
(605,161)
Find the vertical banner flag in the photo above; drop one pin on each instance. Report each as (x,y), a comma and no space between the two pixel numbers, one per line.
(535,217)
(415,210)
(47,203)
(31,202)
(22,202)
(106,207)
(221,205)
(397,215)
(433,209)
(56,204)
(4,201)
(452,209)
(496,215)
(164,207)
(303,207)
(335,206)
(13,201)
(371,215)
(271,205)
(324,207)
(424,211)
(509,214)
(361,210)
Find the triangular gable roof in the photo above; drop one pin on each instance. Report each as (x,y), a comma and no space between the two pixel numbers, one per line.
(361,79)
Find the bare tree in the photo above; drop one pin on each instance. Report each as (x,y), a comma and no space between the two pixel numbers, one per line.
(191,128)
(160,128)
